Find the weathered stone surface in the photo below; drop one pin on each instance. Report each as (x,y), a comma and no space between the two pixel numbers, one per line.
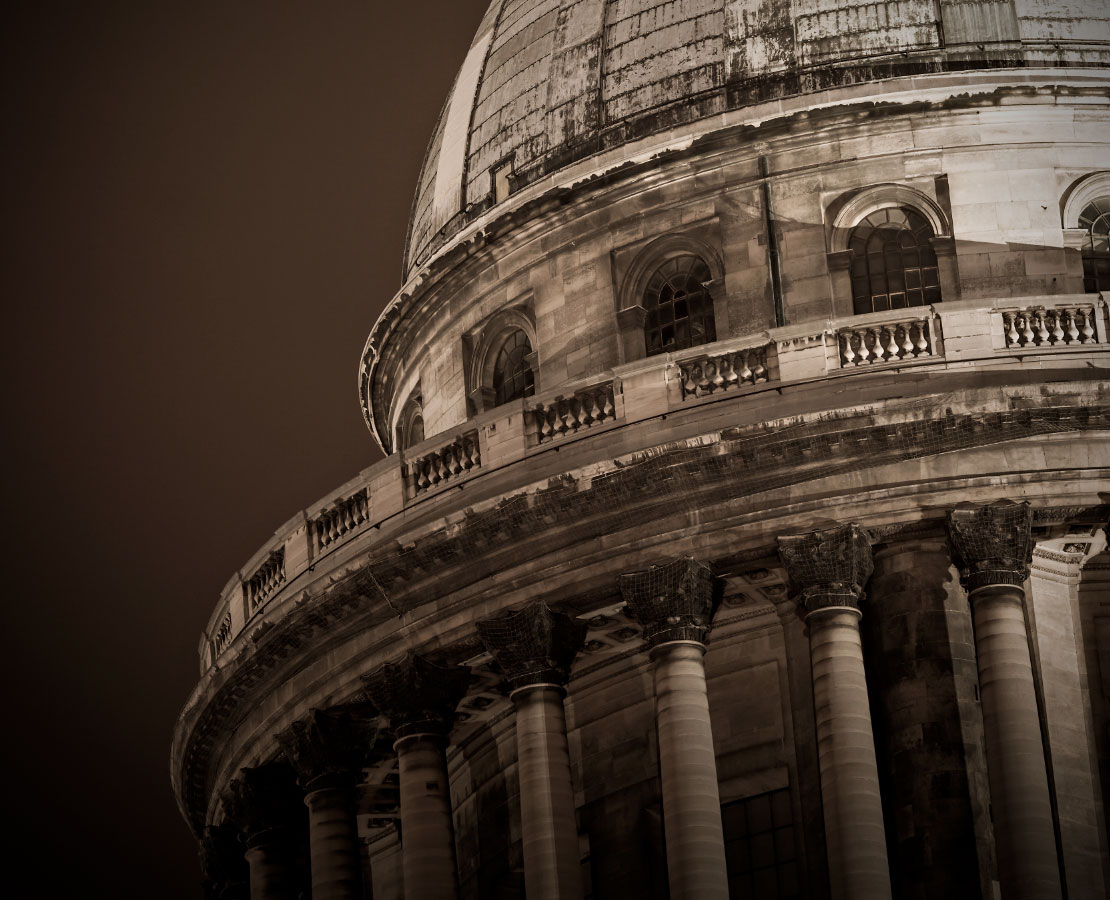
(992,543)
(672,602)
(828,568)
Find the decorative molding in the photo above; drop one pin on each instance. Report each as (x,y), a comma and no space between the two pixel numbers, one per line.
(673,601)
(417,695)
(827,568)
(991,543)
(1080,194)
(533,645)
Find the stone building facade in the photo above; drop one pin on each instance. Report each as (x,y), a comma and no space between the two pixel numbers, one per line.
(742,531)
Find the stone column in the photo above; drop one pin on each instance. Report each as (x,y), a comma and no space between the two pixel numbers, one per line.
(266,805)
(827,570)
(221,859)
(420,699)
(992,545)
(674,605)
(328,750)
(535,648)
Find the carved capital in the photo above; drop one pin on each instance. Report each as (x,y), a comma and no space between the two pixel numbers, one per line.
(264,801)
(827,568)
(672,602)
(329,747)
(223,863)
(991,543)
(533,645)
(417,695)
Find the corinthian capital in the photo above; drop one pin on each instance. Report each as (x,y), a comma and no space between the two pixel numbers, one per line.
(263,799)
(991,543)
(827,568)
(331,746)
(225,868)
(533,645)
(672,602)
(417,695)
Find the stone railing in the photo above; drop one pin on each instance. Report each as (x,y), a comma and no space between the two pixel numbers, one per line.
(266,579)
(334,523)
(709,374)
(910,336)
(580,411)
(962,333)
(1040,326)
(449,462)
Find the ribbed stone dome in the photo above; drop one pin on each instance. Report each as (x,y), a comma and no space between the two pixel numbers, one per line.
(548,82)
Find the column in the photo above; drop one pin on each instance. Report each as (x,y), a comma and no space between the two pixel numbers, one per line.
(992,545)
(328,750)
(535,648)
(266,804)
(674,605)
(827,571)
(419,698)
(225,869)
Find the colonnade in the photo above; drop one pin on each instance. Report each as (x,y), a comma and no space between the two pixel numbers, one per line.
(674,605)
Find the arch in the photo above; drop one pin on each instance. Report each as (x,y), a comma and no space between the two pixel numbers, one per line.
(497,332)
(848,212)
(678,305)
(410,423)
(893,264)
(654,254)
(1081,194)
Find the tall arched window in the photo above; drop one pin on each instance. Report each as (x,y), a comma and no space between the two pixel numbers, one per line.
(512,371)
(1095,219)
(893,263)
(410,424)
(679,308)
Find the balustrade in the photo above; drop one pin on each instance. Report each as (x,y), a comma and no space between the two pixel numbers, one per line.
(266,580)
(866,345)
(339,520)
(568,415)
(457,458)
(1041,326)
(705,375)
(223,635)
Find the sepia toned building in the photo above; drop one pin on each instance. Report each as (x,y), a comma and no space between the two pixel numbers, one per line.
(742,529)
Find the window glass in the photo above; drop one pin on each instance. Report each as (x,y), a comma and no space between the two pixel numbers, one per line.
(1096,248)
(759,847)
(893,263)
(512,375)
(679,308)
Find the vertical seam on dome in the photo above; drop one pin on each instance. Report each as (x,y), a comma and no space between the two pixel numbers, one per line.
(474,106)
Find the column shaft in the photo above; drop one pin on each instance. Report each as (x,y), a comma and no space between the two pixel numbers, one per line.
(688,771)
(1026,845)
(846,755)
(428,840)
(550,834)
(333,844)
(272,872)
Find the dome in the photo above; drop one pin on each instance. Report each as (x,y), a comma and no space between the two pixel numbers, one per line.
(549,82)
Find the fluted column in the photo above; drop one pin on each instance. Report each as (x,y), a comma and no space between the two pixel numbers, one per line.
(674,605)
(265,803)
(225,870)
(992,545)
(328,749)
(827,571)
(420,699)
(535,648)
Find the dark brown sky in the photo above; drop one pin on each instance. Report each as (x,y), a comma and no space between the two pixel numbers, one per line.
(204,206)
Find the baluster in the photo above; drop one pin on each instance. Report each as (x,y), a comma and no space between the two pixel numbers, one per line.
(1042,329)
(1072,330)
(1086,315)
(595,409)
(1057,326)
(902,339)
(716,381)
(1025,325)
(608,411)
(891,345)
(759,372)
(702,380)
(574,407)
(689,386)
(545,424)
(876,348)
(1008,327)
(847,354)
(728,370)
(746,376)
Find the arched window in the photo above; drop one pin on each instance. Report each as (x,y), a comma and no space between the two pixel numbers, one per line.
(410,424)
(893,264)
(679,308)
(512,371)
(1095,220)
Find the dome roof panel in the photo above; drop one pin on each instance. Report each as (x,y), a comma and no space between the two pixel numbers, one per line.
(548,82)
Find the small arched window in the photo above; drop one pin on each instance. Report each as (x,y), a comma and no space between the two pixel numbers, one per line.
(410,425)
(679,307)
(512,371)
(1095,220)
(893,263)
